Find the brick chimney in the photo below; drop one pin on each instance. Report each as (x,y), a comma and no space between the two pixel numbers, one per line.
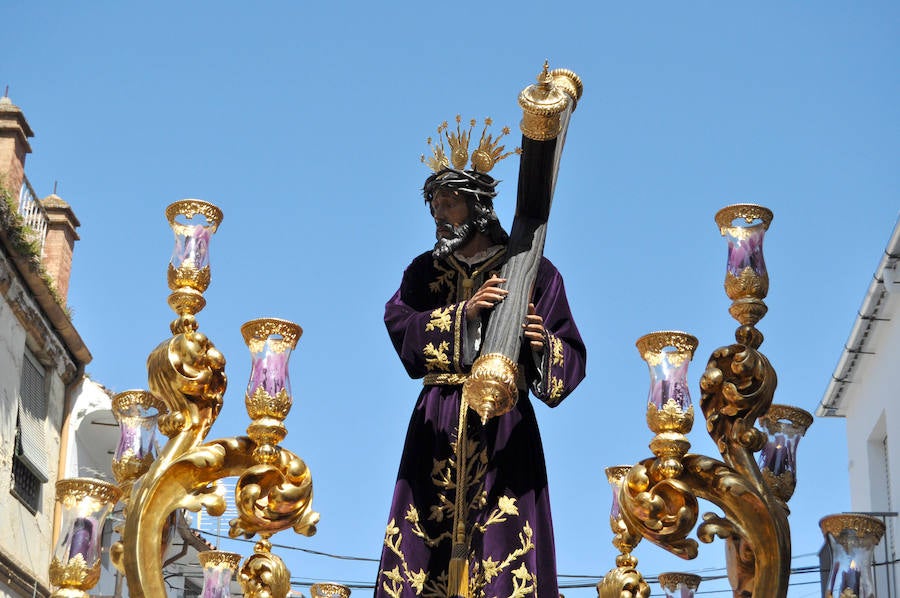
(60,242)
(14,146)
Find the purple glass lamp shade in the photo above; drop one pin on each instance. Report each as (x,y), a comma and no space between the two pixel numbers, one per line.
(668,355)
(85,505)
(679,585)
(615,475)
(192,237)
(785,426)
(744,226)
(852,539)
(218,571)
(137,412)
(270,341)
(191,246)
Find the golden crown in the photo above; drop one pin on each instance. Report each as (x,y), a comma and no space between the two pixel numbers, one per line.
(485,156)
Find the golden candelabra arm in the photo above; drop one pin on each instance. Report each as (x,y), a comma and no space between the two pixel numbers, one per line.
(186,373)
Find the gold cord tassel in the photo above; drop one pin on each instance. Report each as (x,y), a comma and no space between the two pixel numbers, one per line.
(458,571)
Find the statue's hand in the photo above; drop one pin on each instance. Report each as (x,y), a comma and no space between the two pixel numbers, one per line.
(533,329)
(486,297)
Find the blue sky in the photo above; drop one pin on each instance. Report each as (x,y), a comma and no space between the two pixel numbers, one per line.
(304,123)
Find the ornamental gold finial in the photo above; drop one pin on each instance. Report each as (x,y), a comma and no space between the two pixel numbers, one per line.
(485,156)
(543,104)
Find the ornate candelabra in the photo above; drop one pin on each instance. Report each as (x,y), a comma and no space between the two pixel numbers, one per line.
(186,387)
(658,498)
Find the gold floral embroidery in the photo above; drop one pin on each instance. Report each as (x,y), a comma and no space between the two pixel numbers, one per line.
(418,580)
(557,351)
(436,358)
(457,338)
(443,280)
(556,388)
(440,320)
(521,579)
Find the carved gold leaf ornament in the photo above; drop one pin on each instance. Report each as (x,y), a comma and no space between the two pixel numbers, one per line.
(258,332)
(849,529)
(129,466)
(263,405)
(219,559)
(623,582)
(89,493)
(264,575)
(192,207)
(785,418)
(190,277)
(673,346)
(74,573)
(750,213)
(671,418)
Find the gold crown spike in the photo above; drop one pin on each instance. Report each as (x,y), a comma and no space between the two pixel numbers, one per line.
(484,158)
(459,144)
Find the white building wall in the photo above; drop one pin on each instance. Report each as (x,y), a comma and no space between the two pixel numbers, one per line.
(26,538)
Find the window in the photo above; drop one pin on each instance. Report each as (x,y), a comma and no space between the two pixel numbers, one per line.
(30,467)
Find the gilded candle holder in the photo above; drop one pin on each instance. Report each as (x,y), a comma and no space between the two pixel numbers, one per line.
(189,270)
(218,571)
(679,585)
(137,412)
(746,279)
(785,426)
(624,579)
(268,397)
(329,590)
(852,539)
(75,565)
(670,413)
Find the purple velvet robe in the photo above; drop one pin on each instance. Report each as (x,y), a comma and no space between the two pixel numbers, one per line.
(509,531)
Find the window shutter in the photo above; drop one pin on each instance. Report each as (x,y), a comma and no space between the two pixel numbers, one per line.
(32,449)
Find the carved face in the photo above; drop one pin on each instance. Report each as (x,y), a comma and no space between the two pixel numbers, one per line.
(449,209)
(453,225)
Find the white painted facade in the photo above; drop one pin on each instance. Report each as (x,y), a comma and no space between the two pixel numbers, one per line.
(26,541)
(865,389)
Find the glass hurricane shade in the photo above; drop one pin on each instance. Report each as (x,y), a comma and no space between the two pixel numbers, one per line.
(85,504)
(668,355)
(785,426)
(744,227)
(615,475)
(137,413)
(218,570)
(852,539)
(270,342)
(194,222)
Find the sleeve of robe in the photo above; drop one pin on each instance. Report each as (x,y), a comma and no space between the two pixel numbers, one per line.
(429,339)
(563,358)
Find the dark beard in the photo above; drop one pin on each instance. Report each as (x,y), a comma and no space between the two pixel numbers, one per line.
(459,237)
